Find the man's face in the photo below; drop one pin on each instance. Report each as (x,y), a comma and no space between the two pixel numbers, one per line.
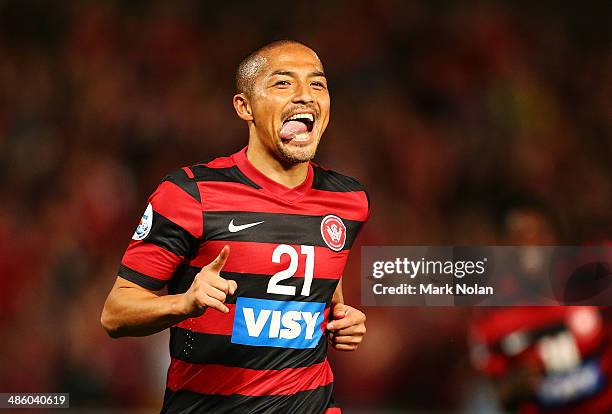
(290,103)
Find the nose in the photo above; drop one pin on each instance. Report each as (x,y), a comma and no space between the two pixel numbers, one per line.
(303,94)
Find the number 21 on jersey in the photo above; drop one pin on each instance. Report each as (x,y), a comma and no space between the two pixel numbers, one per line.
(282,249)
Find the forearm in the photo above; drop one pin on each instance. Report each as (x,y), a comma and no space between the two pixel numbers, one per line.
(133,312)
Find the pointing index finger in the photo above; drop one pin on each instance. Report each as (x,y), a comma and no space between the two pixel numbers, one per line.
(220,260)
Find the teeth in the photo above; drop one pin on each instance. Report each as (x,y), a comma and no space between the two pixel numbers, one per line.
(310,117)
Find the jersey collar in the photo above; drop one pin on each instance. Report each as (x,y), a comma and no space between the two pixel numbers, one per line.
(289,194)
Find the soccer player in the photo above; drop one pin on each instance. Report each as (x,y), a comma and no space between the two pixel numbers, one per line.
(543,360)
(252,249)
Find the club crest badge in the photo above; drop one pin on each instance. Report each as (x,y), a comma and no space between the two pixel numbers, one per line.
(144,227)
(333,232)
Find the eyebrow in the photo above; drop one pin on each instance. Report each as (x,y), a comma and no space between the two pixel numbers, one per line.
(293,74)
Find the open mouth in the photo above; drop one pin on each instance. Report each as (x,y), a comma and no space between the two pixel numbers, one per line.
(297,126)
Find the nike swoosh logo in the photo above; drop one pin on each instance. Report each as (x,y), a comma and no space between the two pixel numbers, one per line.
(233,228)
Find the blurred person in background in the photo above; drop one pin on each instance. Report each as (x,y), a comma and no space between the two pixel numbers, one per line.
(249,326)
(548,359)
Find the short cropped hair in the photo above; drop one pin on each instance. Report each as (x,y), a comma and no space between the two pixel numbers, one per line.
(251,65)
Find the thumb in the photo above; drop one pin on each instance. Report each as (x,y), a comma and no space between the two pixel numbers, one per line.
(217,264)
(340,311)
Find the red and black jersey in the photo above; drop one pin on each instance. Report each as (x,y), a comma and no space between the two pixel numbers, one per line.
(288,249)
(570,349)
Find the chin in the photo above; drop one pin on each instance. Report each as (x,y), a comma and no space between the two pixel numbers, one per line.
(296,154)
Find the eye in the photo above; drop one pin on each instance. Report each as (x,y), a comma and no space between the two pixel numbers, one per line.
(318,85)
(282,83)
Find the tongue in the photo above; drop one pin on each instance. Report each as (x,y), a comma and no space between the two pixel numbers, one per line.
(292,128)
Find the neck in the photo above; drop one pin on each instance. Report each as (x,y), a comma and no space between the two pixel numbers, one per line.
(268,164)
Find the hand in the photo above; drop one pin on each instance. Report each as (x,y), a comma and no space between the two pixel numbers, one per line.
(209,290)
(347,328)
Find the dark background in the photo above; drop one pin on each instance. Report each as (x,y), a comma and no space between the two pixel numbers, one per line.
(444,110)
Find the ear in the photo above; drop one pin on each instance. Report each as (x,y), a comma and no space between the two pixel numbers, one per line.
(243,107)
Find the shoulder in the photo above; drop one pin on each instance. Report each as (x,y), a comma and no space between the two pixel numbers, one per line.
(221,169)
(330,180)
(176,204)
(185,180)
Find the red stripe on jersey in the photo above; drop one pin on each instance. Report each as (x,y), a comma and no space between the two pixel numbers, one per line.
(349,205)
(219,379)
(150,259)
(211,322)
(188,172)
(221,162)
(357,202)
(253,257)
(179,207)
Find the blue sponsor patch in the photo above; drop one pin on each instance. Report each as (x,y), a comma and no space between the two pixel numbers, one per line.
(281,324)
(564,388)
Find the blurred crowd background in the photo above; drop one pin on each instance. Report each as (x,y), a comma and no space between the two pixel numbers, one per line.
(446,111)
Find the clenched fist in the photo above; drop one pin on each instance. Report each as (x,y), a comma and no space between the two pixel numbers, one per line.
(347,329)
(209,289)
